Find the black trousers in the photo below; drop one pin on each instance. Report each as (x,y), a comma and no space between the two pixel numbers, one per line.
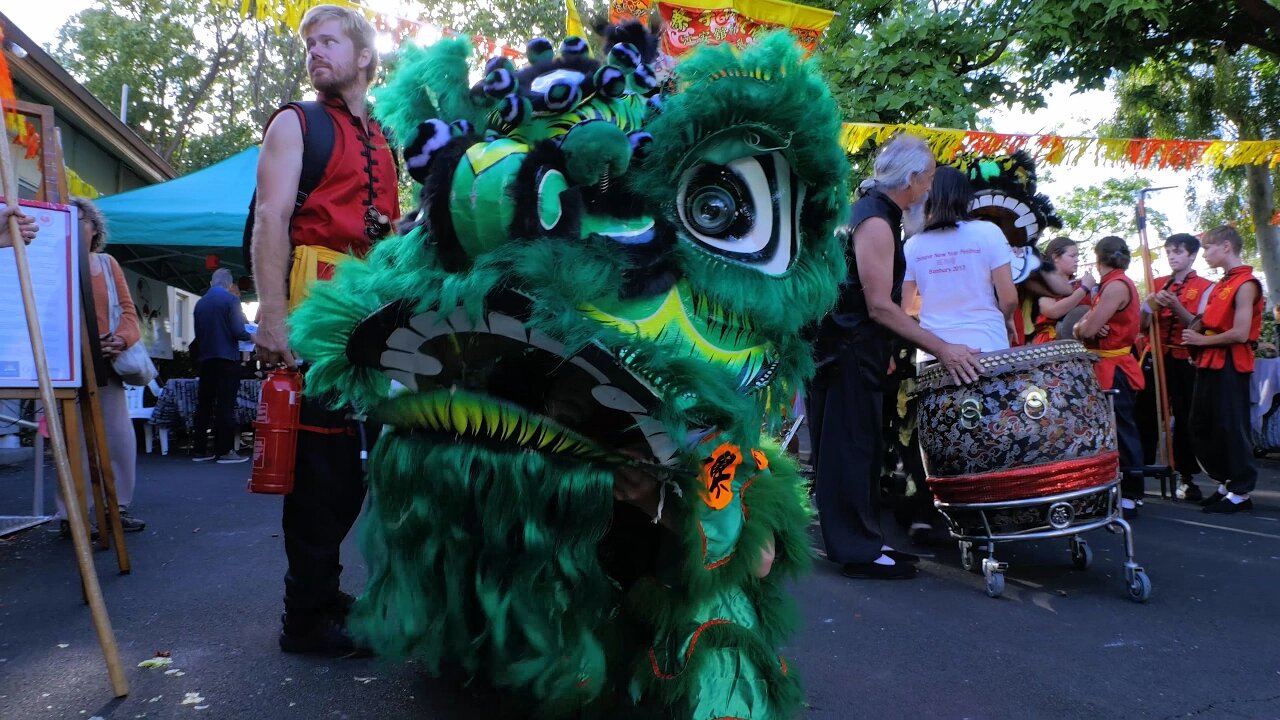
(1180,379)
(216,404)
(1132,483)
(847,440)
(1220,421)
(328,491)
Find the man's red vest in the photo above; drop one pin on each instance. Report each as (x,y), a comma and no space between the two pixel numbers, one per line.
(1190,292)
(1219,317)
(361,165)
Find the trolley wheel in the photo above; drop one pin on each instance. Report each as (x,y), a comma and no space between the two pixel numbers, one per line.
(995,584)
(1081,554)
(967,561)
(1139,587)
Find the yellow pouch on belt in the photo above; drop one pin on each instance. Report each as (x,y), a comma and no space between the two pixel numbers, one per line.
(310,264)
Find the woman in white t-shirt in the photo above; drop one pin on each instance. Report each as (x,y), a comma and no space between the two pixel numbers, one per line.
(960,267)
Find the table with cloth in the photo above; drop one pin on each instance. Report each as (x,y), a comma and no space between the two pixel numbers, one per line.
(176,406)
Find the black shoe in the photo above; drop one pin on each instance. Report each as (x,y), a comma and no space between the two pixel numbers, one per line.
(1226,507)
(130,523)
(1129,513)
(876,571)
(203,456)
(322,637)
(64,531)
(899,556)
(1189,492)
(1213,498)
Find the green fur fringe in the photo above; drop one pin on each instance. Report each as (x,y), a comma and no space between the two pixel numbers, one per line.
(488,559)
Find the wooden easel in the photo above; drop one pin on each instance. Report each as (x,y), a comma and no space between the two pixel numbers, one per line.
(64,436)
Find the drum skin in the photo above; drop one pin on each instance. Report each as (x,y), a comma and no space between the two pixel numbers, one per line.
(1033,405)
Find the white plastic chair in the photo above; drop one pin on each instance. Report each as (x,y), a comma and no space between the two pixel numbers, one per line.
(133,400)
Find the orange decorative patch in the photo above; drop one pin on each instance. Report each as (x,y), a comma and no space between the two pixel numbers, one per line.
(688,653)
(1192,293)
(762,462)
(718,470)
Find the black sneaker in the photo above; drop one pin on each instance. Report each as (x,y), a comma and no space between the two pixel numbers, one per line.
(130,523)
(876,571)
(323,637)
(232,458)
(203,457)
(1226,507)
(1188,491)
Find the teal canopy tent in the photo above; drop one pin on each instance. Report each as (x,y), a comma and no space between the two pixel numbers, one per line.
(169,231)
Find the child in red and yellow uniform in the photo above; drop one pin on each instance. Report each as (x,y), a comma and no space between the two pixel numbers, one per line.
(1064,254)
(1175,302)
(1110,330)
(1230,326)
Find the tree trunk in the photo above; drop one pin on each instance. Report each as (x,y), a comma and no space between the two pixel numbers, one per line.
(1262,208)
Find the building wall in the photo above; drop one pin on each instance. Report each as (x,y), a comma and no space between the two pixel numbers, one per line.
(91,161)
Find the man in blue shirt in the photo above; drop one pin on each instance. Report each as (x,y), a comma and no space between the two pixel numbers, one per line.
(220,326)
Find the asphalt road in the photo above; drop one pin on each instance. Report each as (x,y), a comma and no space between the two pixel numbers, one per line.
(1061,643)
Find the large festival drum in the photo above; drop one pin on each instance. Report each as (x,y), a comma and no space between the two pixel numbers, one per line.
(1035,424)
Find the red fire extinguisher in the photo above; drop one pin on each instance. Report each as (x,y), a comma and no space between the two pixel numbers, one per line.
(275,440)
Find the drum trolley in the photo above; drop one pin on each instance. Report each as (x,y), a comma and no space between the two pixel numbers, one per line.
(1026,453)
(979,526)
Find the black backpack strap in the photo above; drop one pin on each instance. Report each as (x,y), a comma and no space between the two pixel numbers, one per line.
(317,145)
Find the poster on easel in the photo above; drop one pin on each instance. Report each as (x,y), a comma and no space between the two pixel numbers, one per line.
(54,257)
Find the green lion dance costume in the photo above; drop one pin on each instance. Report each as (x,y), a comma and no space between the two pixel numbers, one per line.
(603,288)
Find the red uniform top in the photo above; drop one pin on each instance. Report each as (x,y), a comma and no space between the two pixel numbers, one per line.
(1219,317)
(1116,349)
(361,173)
(1189,292)
(1046,328)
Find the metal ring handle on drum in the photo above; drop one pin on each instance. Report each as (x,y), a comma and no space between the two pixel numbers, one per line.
(1035,403)
(970,413)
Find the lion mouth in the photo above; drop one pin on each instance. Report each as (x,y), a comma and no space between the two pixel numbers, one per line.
(493,380)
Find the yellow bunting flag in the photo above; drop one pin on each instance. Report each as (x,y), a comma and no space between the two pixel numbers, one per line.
(572,20)
(1070,150)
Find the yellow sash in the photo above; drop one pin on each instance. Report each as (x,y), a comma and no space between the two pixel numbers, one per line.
(1118,352)
(310,263)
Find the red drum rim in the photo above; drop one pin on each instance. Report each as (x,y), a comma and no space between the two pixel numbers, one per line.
(1028,482)
(936,377)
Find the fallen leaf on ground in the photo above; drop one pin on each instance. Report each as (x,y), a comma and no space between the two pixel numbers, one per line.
(64,645)
(155,662)
(192,698)
(365,680)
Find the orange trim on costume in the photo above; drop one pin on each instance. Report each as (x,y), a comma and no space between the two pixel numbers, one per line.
(783,662)
(717,563)
(688,653)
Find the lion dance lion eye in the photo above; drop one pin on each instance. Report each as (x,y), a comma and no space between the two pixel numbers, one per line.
(744,211)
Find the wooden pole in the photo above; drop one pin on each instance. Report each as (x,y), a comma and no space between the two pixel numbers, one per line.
(99,453)
(79,533)
(1157,342)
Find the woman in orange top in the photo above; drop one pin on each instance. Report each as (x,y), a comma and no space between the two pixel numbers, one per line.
(1064,255)
(1110,330)
(121,441)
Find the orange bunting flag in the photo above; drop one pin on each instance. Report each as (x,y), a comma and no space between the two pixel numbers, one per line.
(8,98)
(689,23)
